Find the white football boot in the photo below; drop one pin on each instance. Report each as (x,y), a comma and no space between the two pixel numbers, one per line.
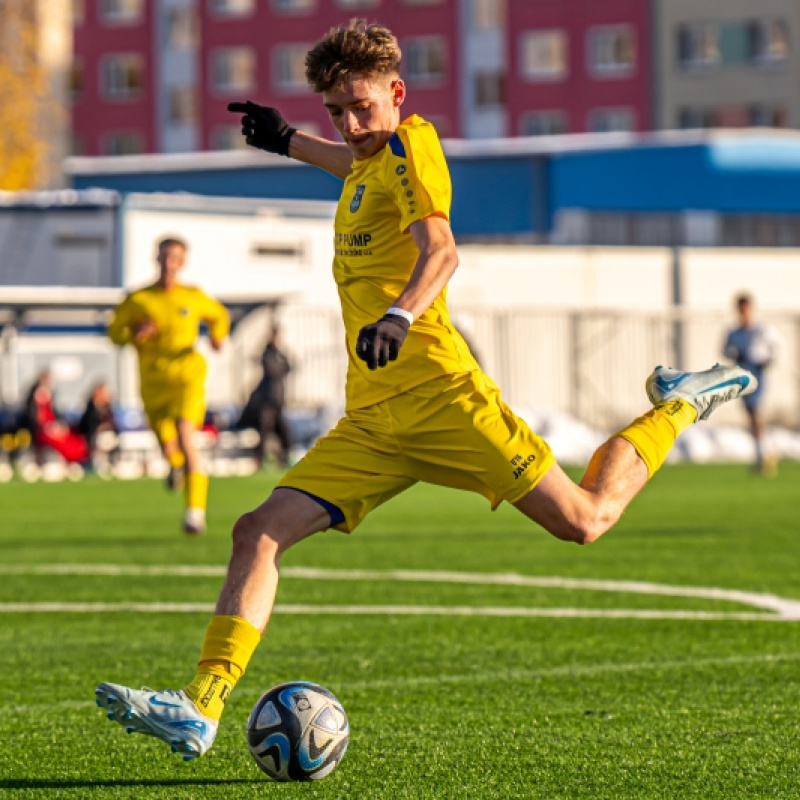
(704,390)
(194,521)
(170,716)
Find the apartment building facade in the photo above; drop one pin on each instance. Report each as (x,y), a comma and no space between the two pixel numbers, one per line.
(156,75)
(726,63)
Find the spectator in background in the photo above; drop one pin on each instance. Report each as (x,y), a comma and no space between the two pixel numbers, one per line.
(45,427)
(264,409)
(754,346)
(98,417)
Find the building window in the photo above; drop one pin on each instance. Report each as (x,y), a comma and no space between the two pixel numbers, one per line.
(692,118)
(181,29)
(765,116)
(489,89)
(75,80)
(358,3)
(764,42)
(544,55)
(182,108)
(227,137)
(488,15)
(770,42)
(122,143)
(294,6)
(289,62)
(231,8)
(425,59)
(698,45)
(606,120)
(121,12)
(122,76)
(543,123)
(233,69)
(612,51)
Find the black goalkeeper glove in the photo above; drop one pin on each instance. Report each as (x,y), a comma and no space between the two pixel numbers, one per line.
(380,343)
(264,127)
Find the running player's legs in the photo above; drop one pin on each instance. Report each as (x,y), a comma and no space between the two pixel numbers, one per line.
(753,403)
(189,408)
(157,407)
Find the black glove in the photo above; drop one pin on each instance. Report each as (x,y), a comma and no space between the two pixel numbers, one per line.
(380,343)
(264,127)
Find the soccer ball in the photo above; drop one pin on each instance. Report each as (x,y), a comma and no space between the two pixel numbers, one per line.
(298,731)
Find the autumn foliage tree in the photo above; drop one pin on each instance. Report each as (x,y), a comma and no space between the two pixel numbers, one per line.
(26,99)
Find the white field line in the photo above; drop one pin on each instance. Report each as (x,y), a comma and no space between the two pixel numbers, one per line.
(570,670)
(782,607)
(419,611)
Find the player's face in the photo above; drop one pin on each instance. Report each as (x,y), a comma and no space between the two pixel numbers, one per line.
(170,260)
(365,112)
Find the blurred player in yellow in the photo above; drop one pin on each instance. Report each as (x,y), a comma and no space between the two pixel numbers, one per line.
(162,322)
(418,407)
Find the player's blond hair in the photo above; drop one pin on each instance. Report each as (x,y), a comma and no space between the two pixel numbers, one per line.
(358,48)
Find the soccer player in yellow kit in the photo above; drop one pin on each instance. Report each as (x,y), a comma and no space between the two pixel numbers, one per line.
(418,408)
(162,322)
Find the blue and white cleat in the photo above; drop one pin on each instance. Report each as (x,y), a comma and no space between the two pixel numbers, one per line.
(170,716)
(704,390)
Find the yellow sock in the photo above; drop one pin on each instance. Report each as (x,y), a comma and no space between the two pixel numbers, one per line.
(176,459)
(196,490)
(653,435)
(229,644)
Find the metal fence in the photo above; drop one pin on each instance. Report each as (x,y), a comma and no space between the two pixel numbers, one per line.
(591,364)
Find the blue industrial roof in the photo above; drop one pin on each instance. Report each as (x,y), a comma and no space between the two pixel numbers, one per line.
(514,186)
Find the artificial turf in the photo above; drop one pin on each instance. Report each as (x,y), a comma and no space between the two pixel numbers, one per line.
(440,706)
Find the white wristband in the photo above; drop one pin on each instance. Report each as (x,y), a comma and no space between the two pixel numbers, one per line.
(401,312)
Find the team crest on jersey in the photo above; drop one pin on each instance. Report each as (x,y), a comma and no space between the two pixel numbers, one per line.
(355,203)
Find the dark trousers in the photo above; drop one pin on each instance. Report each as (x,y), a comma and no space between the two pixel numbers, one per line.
(272,422)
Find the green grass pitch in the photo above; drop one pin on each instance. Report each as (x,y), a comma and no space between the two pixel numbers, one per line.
(440,706)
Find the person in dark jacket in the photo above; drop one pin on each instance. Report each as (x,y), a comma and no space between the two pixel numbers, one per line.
(264,409)
(98,416)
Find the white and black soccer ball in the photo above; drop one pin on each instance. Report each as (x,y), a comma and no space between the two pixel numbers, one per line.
(298,731)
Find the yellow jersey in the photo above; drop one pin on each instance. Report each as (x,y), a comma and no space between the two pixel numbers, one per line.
(168,356)
(375,255)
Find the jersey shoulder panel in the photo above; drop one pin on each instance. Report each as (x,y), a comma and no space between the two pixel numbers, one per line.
(415,172)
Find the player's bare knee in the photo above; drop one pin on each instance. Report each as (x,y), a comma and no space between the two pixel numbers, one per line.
(252,531)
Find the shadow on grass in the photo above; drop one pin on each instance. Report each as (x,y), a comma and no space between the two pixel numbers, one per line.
(37,783)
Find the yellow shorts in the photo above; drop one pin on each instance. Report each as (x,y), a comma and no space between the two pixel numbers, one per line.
(453,431)
(165,405)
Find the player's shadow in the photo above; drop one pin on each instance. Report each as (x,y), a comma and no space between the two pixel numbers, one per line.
(36,783)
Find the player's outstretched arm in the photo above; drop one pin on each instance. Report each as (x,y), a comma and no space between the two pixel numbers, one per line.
(120,330)
(264,127)
(380,342)
(216,316)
